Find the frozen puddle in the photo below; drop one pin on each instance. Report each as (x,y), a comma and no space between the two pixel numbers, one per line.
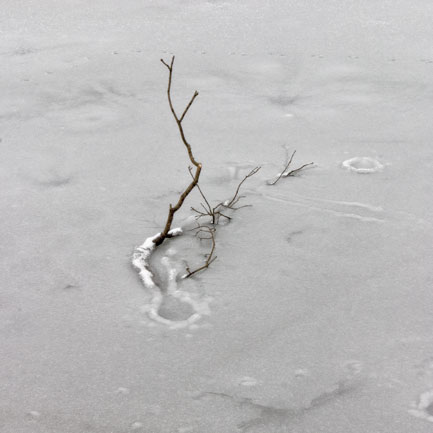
(362,165)
(174,308)
(424,407)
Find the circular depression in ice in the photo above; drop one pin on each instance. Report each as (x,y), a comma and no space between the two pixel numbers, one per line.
(362,164)
(175,309)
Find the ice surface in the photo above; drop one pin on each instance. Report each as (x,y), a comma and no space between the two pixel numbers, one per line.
(322,291)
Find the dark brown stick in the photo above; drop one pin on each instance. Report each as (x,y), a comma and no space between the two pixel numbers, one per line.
(172,210)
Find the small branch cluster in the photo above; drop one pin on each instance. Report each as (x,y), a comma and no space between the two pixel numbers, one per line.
(286,172)
(216,212)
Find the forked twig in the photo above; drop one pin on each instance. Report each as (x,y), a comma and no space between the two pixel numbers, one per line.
(286,173)
(173,209)
(285,168)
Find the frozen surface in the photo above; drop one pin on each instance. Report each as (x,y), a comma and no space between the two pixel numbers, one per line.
(320,302)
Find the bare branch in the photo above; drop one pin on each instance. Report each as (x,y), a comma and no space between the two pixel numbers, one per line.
(286,173)
(172,210)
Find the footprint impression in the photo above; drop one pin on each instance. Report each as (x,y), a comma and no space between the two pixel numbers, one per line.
(173,307)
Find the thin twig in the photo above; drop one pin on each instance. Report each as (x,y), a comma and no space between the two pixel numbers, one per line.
(293,172)
(215,212)
(285,168)
(210,257)
(189,105)
(225,216)
(199,212)
(209,207)
(235,198)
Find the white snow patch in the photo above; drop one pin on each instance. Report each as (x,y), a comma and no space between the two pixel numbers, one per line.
(248,381)
(424,407)
(302,372)
(122,390)
(136,425)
